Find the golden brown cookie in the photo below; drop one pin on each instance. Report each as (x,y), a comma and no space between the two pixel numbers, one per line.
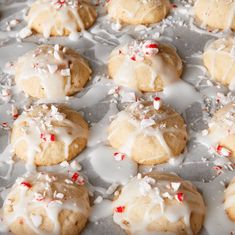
(41,203)
(51,72)
(229,200)
(159,202)
(148,134)
(138,11)
(47,135)
(60,17)
(145,65)
(221,132)
(219,59)
(217,14)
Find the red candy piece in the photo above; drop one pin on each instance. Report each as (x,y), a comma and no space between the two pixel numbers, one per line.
(221,150)
(120,209)
(179,197)
(75,176)
(26,184)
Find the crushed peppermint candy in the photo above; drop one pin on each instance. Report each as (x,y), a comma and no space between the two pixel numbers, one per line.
(120,209)
(119,156)
(14,112)
(175,186)
(6,94)
(25,32)
(150,48)
(157,103)
(38,197)
(223,151)
(47,137)
(137,50)
(77,178)
(179,197)
(26,184)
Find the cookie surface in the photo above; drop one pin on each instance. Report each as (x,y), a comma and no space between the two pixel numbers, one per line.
(219,59)
(51,72)
(229,200)
(145,65)
(46,203)
(147,135)
(159,202)
(138,11)
(47,135)
(222,131)
(60,18)
(217,14)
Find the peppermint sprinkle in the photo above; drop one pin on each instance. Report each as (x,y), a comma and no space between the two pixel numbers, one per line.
(119,156)
(120,209)
(157,103)
(218,169)
(175,186)
(26,184)
(39,197)
(179,197)
(75,176)
(47,137)
(14,112)
(150,48)
(222,151)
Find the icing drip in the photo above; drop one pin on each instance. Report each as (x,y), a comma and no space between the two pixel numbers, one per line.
(35,196)
(51,65)
(47,127)
(120,169)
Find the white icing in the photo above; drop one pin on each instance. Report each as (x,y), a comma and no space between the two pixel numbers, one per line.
(145,128)
(43,123)
(108,168)
(40,183)
(61,10)
(51,65)
(135,56)
(156,191)
(101,210)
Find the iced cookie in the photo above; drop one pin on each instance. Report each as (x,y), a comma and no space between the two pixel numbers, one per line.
(138,11)
(145,65)
(149,133)
(159,203)
(60,17)
(51,72)
(213,14)
(42,203)
(221,134)
(219,59)
(47,135)
(229,200)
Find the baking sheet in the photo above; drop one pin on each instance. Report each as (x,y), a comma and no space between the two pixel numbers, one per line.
(95,46)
